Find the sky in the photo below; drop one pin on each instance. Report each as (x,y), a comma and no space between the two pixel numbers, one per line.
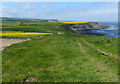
(72,11)
(60,0)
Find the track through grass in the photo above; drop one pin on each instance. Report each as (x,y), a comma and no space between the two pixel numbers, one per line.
(57,58)
(102,67)
(62,57)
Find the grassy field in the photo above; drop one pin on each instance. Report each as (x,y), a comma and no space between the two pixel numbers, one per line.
(60,57)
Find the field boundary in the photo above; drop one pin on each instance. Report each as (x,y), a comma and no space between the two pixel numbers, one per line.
(101,51)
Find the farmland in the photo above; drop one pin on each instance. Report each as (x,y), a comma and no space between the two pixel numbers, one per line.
(60,57)
(72,22)
(20,34)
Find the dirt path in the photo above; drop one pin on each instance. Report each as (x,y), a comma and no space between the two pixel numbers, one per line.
(8,42)
(101,51)
(97,63)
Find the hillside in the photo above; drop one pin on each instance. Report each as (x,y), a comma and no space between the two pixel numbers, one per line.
(61,57)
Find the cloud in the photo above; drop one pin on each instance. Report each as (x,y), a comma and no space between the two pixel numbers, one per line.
(93,12)
(108,12)
(9,13)
(27,6)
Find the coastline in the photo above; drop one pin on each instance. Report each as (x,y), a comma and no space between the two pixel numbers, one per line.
(110,30)
(93,32)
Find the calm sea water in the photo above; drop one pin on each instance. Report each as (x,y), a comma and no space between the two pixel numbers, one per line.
(111,31)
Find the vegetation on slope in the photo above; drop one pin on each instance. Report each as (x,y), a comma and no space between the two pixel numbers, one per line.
(61,57)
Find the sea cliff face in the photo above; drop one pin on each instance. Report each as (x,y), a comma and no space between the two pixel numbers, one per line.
(85,27)
(90,25)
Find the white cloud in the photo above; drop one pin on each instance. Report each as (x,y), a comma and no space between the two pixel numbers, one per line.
(27,6)
(110,14)
(106,12)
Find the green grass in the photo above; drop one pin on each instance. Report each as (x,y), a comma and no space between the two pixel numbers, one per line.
(10,23)
(44,27)
(0,66)
(61,58)
(104,43)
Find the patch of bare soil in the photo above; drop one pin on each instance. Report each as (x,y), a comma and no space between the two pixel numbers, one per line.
(30,79)
(7,42)
(60,32)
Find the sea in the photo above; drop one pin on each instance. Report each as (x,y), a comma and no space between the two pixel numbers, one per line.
(111,31)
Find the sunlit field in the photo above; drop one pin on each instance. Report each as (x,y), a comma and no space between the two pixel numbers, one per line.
(72,22)
(21,34)
(66,57)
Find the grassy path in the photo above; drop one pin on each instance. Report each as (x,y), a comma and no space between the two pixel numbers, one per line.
(60,58)
(103,69)
(101,51)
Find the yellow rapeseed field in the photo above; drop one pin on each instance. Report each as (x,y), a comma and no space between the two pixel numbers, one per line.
(72,22)
(20,34)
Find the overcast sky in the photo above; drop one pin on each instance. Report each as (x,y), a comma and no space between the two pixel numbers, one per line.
(77,11)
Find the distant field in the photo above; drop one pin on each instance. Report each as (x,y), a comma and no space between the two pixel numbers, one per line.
(43,27)
(61,57)
(11,23)
(72,22)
